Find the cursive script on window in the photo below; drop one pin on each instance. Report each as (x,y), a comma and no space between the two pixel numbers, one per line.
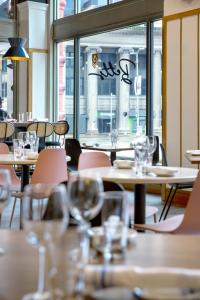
(108,69)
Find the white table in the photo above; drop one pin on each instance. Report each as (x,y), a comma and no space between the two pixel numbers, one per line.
(8,159)
(193,159)
(128,176)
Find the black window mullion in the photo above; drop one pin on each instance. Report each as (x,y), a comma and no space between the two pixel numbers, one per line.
(149,81)
(76,87)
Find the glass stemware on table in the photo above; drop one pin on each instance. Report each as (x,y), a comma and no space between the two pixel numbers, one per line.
(5,183)
(144,147)
(45,218)
(28,141)
(85,197)
(114,137)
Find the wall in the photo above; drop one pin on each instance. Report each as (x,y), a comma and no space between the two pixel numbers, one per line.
(181,79)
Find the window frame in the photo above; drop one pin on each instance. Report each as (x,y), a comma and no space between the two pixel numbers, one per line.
(111,17)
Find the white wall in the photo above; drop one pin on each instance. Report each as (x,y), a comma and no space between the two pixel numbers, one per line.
(176,6)
(182,86)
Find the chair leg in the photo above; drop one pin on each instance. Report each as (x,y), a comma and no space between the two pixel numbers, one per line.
(155,218)
(12,214)
(20,214)
(165,205)
(170,203)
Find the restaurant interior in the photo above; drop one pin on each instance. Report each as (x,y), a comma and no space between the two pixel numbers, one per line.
(99,149)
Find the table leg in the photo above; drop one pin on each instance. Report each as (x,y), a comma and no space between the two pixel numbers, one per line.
(25,176)
(140,203)
(112,156)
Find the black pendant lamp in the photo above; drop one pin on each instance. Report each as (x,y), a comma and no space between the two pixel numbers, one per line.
(17,50)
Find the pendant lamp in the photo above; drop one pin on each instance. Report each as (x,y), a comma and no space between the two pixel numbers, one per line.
(17,50)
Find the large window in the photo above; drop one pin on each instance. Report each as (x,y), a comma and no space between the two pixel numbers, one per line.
(67,7)
(6,81)
(65,75)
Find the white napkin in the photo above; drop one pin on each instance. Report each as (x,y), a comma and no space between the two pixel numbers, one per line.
(132,276)
(123,164)
(161,170)
(193,152)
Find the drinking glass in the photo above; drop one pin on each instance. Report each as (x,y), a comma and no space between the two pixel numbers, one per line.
(45,218)
(114,137)
(21,117)
(32,140)
(68,259)
(152,144)
(141,146)
(85,196)
(5,183)
(115,217)
(18,148)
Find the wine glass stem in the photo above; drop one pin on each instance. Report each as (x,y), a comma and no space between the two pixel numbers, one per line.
(41,268)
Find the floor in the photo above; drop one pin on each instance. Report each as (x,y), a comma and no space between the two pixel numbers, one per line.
(151,200)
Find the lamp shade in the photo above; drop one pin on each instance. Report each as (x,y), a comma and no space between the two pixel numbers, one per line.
(16,51)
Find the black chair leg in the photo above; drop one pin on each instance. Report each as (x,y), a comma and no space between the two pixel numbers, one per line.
(165,205)
(12,214)
(170,203)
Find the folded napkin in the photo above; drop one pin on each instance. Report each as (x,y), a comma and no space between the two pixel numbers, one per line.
(123,164)
(161,170)
(193,152)
(132,276)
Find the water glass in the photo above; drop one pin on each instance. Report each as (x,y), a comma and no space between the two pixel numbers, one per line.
(18,148)
(152,145)
(21,117)
(68,258)
(141,146)
(45,218)
(115,219)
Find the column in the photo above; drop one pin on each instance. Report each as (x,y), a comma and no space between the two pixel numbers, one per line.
(62,67)
(157,103)
(124,95)
(33,75)
(92,90)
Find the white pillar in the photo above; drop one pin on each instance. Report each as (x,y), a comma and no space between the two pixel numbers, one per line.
(157,103)
(92,90)
(124,94)
(33,75)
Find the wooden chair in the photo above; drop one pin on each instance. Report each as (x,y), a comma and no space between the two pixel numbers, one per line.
(7,129)
(43,130)
(189,223)
(60,129)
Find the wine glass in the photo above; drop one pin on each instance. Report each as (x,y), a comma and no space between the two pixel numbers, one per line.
(85,197)
(5,183)
(45,218)
(152,145)
(141,146)
(24,136)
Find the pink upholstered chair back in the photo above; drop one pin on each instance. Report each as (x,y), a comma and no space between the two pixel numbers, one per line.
(93,159)
(51,167)
(15,181)
(191,220)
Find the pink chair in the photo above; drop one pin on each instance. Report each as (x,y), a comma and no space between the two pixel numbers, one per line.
(15,181)
(189,223)
(51,169)
(95,159)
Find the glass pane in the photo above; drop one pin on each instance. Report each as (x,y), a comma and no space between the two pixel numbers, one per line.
(157,78)
(6,85)
(65,81)
(7,9)
(84,5)
(65,8)
(113,85)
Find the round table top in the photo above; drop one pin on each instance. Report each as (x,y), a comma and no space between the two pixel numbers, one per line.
(129,176)
(18,265)
(8,159)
